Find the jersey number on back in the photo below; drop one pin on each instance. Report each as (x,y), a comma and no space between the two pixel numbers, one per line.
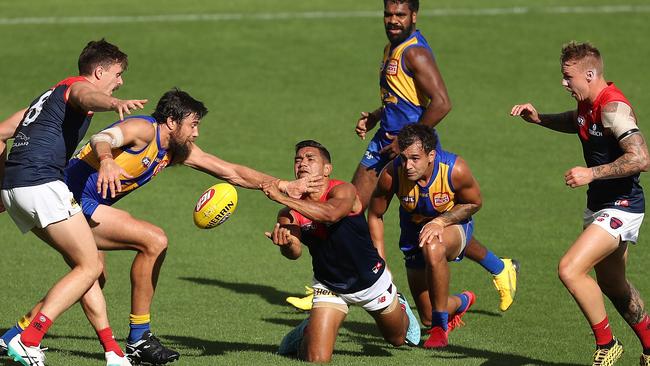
(36,109)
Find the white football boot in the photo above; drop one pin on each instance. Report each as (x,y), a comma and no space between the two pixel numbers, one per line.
(112,359)
(26,355)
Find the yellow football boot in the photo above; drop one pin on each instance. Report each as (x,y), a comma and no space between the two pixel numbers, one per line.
(302,303)
(608,356)
(645,360)
(506,283)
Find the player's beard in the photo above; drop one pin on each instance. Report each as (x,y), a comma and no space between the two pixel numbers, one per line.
(402,36)
(179,150)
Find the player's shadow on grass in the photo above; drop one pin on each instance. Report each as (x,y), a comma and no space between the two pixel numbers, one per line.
(268,293)
(493,358)
(206,347)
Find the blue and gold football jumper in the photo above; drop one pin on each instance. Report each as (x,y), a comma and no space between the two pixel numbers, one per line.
(142,165)
(421,204)
(403,103)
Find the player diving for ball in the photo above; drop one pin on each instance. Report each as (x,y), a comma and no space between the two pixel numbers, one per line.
(347,267)
(124,157)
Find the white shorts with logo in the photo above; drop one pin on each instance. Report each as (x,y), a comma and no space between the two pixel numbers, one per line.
(616,222)
(378,296)
(39,206)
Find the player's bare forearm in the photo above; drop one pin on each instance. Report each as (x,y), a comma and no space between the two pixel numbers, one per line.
(457,214)
(326,212)
(435,112)
(634,160)
(561,122)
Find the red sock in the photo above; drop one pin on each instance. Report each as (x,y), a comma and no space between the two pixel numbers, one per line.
(603,333)
(642,331)
(108,341)
(36,330)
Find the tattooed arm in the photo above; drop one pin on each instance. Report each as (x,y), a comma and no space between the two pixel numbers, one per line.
(561,122)
(467,202)
(619,118)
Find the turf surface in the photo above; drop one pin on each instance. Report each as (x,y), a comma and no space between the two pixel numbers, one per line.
(272,74)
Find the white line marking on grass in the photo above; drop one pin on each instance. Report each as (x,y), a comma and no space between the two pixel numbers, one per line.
(604,9)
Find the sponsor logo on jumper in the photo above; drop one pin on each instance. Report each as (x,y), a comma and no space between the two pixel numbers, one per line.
(593,131)
(391,68)
(581,121)
(440,199)
(21,140)
(146,161)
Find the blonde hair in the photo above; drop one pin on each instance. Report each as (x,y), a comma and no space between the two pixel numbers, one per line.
(586,53)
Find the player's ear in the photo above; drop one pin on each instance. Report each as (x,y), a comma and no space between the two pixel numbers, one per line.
(414,17)
(98,72)
(590,74)
(432,156)
(327,170)
(171,123)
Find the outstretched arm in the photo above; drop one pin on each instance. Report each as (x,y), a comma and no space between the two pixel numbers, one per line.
(339,203)
(244,176)
(561,122)
(88,98)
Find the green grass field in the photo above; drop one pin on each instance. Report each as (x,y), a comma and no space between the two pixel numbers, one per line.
(273,72)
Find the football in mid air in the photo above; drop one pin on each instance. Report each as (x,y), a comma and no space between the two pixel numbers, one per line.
(215,206)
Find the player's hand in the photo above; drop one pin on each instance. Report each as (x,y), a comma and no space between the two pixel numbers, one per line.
(391,150)
(298,187)
(527,112)
(109,178)
(431,232)
(366,122)
(578,176)
(126,106)
(272,190)
(281,236)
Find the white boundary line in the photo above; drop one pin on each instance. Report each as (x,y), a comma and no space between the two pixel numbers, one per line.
(604,9)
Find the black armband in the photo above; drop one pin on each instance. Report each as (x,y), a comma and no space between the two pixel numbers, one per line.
(628,133)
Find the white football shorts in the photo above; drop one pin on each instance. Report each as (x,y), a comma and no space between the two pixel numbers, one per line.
(39,206)
(378,296)
(618,223)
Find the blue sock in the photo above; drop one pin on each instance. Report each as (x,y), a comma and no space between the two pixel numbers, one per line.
(11,333)
(464,302)
(440,319)
(492,263)
(137,331)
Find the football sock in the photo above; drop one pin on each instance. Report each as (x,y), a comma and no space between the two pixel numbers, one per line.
(492,263)
(35,332)
(108,341)
(464,302)
(11,333)
(603,333)
(642,331)
(138,324)
(440,319)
